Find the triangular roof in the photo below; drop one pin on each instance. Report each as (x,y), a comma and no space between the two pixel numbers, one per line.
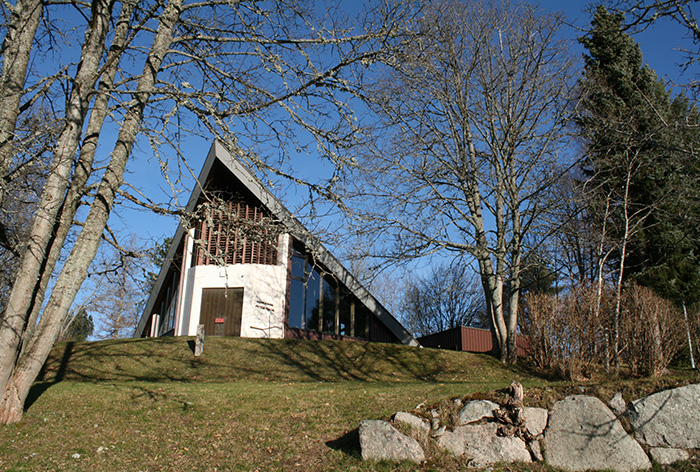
(298,231)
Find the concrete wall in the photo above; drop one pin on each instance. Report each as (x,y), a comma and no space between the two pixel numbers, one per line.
(264,294)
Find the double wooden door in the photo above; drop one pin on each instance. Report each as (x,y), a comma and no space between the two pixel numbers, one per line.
(221,311)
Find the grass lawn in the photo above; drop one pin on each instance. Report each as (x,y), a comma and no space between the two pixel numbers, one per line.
(250,405)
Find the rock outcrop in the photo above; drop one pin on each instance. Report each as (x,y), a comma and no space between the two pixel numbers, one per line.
(579,433)
(668,418)
(584,434)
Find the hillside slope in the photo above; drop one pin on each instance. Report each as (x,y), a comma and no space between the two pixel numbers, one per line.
(283,360)
(251,404)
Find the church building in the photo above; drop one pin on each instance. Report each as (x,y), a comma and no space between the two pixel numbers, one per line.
(245,266)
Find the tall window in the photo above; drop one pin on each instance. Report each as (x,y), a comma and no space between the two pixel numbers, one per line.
(330,308)
(317,302)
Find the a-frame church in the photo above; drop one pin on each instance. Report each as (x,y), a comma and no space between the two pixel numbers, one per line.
(244,266)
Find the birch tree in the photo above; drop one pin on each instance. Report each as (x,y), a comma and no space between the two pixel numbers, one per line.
(149,72)
(472,122)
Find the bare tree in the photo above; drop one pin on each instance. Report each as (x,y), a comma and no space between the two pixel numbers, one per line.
(473,112)
(117,307)
(244,72)
(448,297)
(644,13)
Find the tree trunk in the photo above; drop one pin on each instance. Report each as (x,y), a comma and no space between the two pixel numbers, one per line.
(16,49)
(25,289)
(84,250)
(83,167)
(12,407)
(690,340)
(621,270)
(602,256)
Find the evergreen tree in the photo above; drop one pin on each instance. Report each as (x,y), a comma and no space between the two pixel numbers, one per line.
(80,327)
(640,161)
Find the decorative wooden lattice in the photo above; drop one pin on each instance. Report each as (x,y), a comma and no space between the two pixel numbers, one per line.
(230,232)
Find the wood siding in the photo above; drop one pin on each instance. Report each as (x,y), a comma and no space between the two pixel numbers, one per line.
(469,340)
(235,233)
(221,311)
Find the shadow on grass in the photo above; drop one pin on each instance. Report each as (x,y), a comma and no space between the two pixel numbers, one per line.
(348,443)
(230,359)
(35,392)
(40,387)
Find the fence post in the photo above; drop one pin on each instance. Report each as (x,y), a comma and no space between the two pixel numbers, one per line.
(199,342)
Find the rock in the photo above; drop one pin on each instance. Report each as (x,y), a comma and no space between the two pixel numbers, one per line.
(536,420)
(381,441)
(668,455)
(476,410)
(480,443)
(657,419)
(435,419)
(451,441)
(419,424)
(618,404)
(439,432)
(535,448)
(583,434)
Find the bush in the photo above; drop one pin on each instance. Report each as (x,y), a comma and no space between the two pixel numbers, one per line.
(566,332)
(571,333)
(652,329)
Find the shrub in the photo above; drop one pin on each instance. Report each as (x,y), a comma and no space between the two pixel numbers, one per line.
(652,330)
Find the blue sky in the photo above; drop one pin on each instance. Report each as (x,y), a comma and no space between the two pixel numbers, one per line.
(657,43)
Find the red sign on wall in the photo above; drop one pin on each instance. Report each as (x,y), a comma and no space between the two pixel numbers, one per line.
(219,320)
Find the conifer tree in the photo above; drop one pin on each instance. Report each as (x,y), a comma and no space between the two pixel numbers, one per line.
(640,166)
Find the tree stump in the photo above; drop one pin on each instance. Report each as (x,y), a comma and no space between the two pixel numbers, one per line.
(511,415)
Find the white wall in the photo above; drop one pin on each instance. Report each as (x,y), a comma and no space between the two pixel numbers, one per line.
(264,294)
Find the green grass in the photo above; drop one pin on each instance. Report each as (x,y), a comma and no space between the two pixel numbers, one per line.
(248,405)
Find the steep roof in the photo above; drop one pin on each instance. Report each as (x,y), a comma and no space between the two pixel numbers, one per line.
(218,152)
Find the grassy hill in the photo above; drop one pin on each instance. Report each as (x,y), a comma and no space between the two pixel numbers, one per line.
(247,404)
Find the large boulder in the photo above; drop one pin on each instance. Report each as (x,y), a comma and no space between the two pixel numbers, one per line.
(480,443)
(668,418)
(583,434)
(476,410)
(381,441)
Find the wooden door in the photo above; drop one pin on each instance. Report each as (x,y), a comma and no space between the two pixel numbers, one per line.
(221,311)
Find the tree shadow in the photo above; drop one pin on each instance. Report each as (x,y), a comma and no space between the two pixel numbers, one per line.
(39,388)
(35,392)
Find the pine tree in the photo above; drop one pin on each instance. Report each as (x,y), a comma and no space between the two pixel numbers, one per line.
(640,158)
(80,327)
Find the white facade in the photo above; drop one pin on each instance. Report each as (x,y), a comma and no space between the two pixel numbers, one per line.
(264,293)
